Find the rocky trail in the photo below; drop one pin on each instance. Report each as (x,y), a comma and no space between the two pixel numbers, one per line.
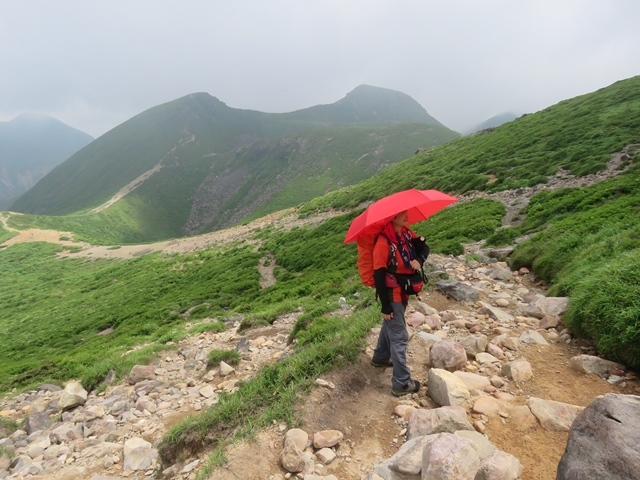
(490,349)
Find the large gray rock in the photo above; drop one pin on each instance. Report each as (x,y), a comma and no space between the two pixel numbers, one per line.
(500,466)
(141,372)
(407,462)
(292,457)
(604,441)
(458,291)
(552,415)
(37,421)
(518,370)
(496,313)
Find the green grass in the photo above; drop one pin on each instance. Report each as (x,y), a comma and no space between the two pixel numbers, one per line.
(606,308)
(55,308)
(213,327)
(232,357)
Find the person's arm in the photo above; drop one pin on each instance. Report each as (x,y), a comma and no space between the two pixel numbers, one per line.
(380,261)
(382,290)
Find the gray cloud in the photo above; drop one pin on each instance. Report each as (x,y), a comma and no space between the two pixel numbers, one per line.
(94,65)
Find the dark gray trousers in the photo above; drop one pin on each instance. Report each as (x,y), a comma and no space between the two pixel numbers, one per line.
(392,344)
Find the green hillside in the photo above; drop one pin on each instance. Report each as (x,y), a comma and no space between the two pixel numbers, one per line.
(221,165)
(578,135)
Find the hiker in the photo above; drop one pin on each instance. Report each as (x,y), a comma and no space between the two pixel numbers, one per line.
(392,342)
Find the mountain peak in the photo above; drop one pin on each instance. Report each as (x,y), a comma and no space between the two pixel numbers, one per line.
(369,105)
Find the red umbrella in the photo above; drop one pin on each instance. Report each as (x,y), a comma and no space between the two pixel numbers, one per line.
(419,204)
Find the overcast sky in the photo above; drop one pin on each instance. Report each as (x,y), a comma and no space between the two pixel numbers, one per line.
(94,65)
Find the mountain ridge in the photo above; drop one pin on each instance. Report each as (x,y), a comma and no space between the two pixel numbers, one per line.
(201,142)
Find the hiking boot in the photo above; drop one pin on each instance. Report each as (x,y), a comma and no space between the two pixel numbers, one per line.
(386,364)
(412,387)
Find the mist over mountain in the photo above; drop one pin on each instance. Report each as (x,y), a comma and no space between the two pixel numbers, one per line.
(31,145)
(208,165)
(492,122)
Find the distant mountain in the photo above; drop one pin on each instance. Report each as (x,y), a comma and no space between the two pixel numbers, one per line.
(31,146)
(208,165)
(493,122)
(367,105)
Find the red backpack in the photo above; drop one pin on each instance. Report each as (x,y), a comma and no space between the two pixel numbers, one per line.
(367,242)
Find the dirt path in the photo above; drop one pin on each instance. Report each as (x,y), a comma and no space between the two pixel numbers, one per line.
(285,219)
(127,189)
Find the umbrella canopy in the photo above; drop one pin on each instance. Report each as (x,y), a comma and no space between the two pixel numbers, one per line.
(419,204)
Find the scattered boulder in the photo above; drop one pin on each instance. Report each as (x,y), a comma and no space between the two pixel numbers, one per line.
(503,274)
(474,344)
(500,466)
(72,396)
(292,456)
(542,306)
(439,420)
(141,372)
(549,321)
(496,313)
(517,370)
(37,422)
(473,381)
(138,454)
(592,364)
(603,441)
(450,456)
(552,415)
(458,291)
(327,438)
(448,354)
(445,388)
(531,336)
(416,319)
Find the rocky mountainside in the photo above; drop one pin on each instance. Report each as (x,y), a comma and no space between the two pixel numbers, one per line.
(30,147)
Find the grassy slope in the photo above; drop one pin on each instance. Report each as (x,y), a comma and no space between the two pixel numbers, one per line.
(577,134)
(54,308)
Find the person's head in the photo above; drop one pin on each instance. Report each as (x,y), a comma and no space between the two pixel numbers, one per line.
(400,220)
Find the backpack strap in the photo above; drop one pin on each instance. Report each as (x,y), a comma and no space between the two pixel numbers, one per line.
(392,262)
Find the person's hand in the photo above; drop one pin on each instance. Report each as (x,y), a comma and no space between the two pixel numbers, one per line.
(415,264)
(387,316)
